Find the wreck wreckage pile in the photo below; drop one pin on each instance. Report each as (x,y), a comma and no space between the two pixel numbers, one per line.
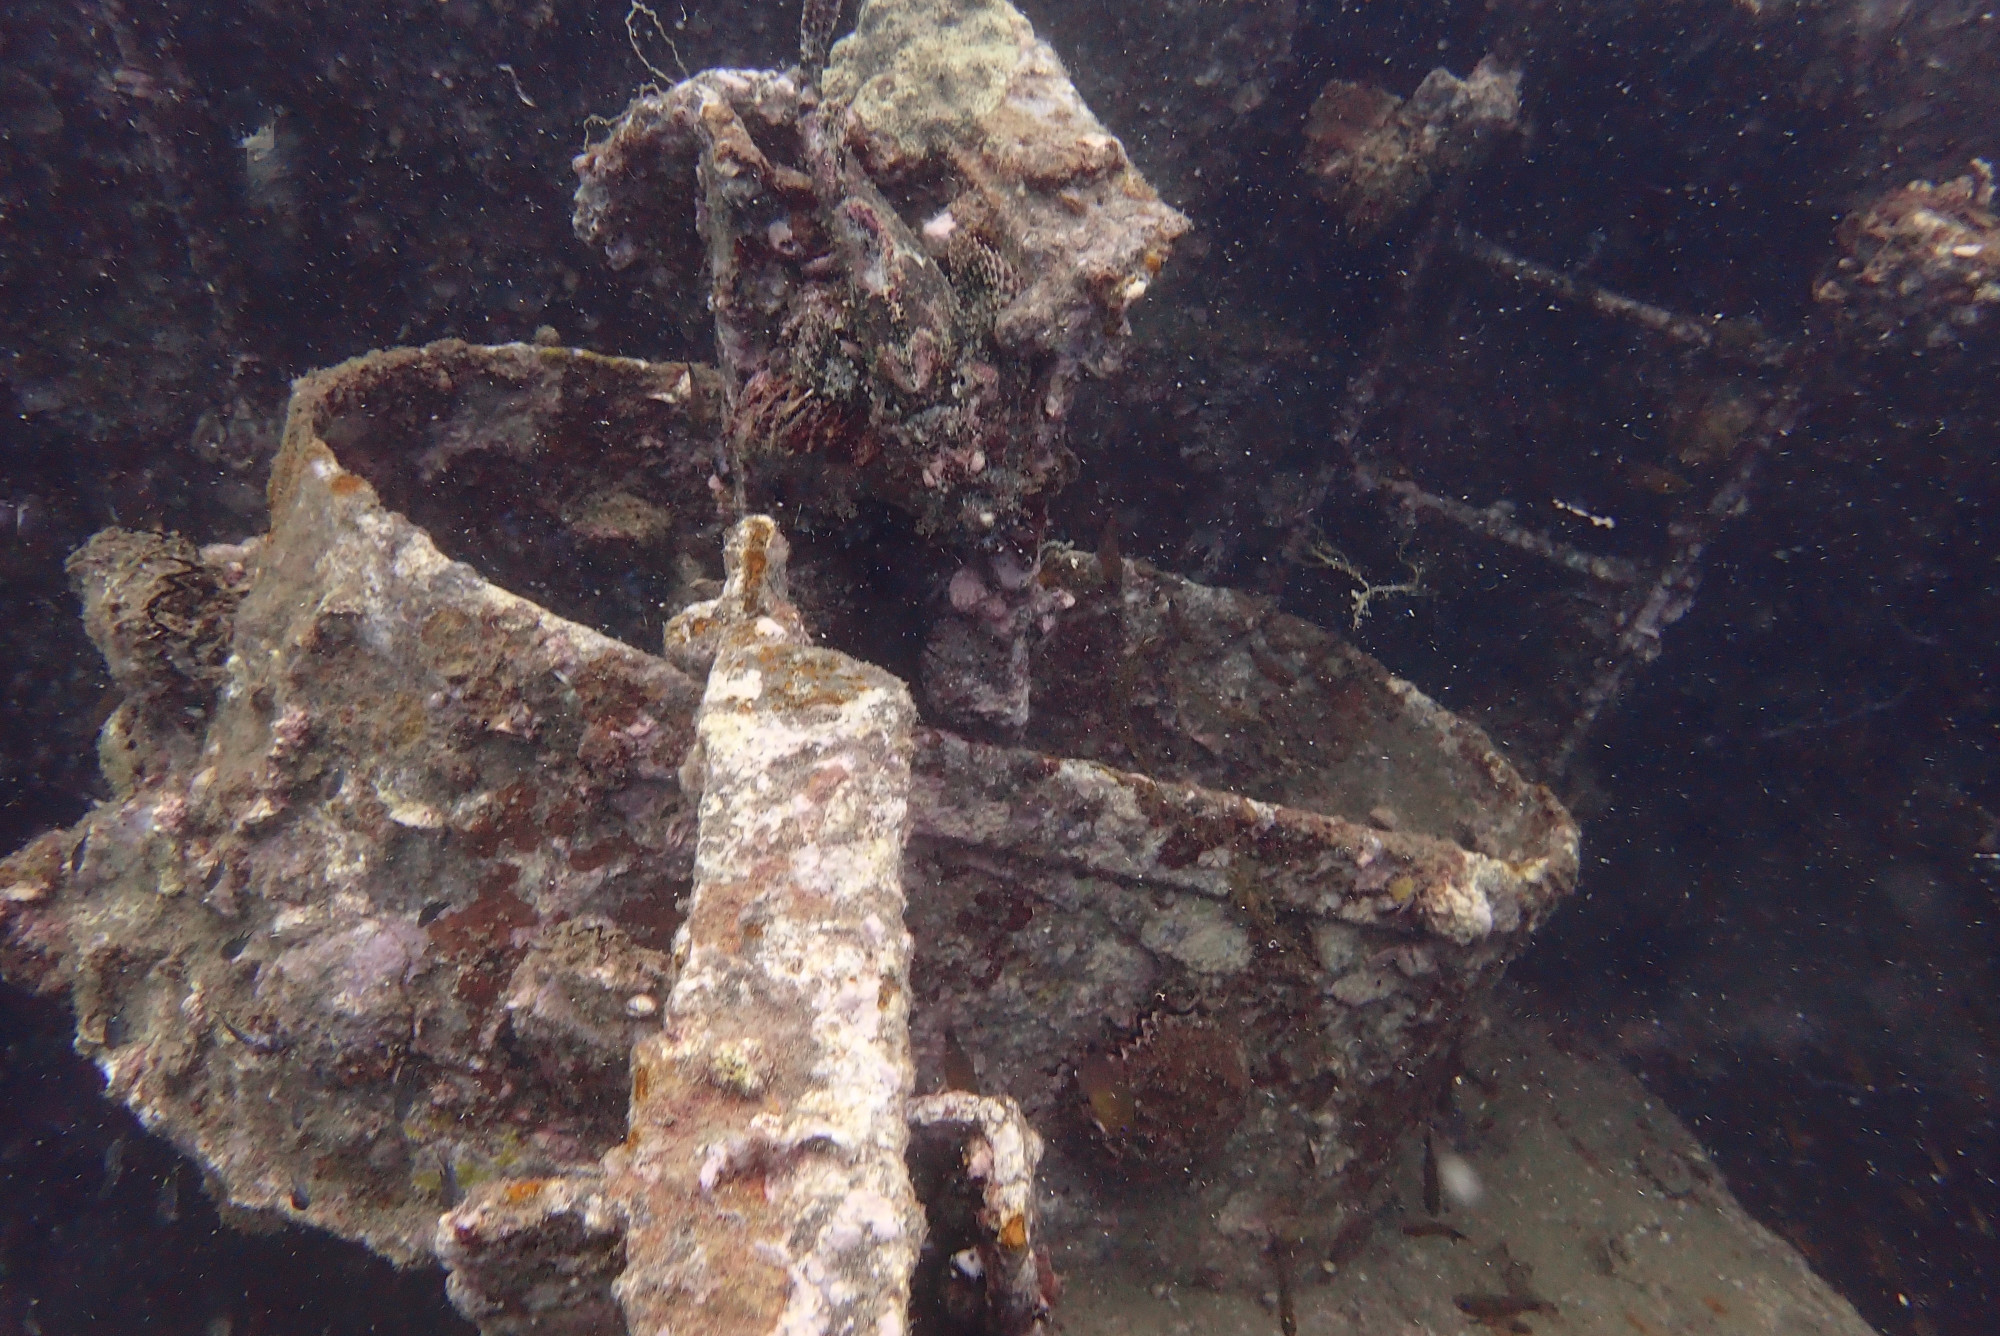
(630,986)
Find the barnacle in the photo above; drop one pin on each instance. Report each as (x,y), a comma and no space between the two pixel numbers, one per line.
(738,1067)
(984,280)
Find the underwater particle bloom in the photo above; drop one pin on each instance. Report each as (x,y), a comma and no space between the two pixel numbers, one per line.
(939,226)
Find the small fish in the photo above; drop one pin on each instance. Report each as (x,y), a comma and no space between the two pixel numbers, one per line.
(959,1073)
(1652,478)
(1516,1276)
(114,1167)
(167,1205)
(1281,1262)
(449,1191)
(1433,1229)
(254,1040)
(1980,1222)
(1433,1186)
(1110,563)
(1500,1307)
(1110,1094)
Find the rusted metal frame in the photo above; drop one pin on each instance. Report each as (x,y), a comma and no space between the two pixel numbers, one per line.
(1129,828)
(1365,386)
(1496,523)
(1738,341)
(999,1151)
(1672,591)
(1734,340)
(1364,392)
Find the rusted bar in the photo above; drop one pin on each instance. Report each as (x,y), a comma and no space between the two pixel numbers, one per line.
(1672,591)
(1495,523)
(1738,340)
(763,1177)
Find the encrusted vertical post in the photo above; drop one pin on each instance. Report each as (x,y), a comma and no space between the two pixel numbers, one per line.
(764,1176)
(816,24)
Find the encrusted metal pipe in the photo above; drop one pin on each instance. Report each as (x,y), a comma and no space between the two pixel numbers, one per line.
(764,1176)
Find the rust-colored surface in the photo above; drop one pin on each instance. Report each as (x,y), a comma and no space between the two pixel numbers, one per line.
(361,923)
(763,1178)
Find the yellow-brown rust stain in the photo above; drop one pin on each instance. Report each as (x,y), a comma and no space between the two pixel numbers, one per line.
(825,781)
(1014,1234)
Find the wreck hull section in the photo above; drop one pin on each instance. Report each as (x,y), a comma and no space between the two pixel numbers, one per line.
(383,902)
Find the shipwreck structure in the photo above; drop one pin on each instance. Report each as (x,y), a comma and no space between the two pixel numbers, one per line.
(456,900)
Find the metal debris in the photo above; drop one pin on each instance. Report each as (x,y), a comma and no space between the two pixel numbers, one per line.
(401,888)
